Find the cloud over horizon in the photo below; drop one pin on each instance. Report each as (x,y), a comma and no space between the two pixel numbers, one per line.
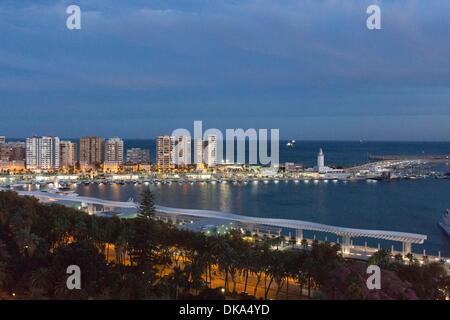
(311,68)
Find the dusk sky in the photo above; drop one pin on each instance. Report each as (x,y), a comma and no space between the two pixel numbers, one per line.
(311,68)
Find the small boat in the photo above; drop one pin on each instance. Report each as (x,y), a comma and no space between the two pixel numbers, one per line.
(445,222)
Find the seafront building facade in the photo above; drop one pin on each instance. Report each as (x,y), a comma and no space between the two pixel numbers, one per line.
(12,151)
(91,151)
(42,153)
(165,152)
(113,155)
(114,151)
(173,158)
(198,151)
(68,154)
(210,151)
(12,155)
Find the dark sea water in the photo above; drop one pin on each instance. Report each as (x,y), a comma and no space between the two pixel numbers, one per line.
(407,205)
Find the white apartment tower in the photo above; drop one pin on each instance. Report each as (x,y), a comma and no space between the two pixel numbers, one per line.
(42,153)
(211,151)
(67,154)
(182,150)
(165,155)
(114,151)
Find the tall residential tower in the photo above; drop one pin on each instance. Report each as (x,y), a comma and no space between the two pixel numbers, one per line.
(114,151)
(91,151)
(42,153)
(211,151)
(165,155)
(68,154)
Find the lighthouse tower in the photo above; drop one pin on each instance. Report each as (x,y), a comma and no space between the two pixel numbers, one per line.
(320,161)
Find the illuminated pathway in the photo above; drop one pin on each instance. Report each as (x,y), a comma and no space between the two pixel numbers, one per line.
(346,233)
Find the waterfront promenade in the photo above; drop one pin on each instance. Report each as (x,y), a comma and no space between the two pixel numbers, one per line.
(179,215)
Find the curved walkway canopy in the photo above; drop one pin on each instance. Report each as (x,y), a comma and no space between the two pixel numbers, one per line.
(284,223)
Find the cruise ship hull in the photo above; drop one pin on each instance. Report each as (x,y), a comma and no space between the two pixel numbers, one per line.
(445,228)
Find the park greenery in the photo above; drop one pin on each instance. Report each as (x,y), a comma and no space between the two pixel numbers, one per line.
(144,258)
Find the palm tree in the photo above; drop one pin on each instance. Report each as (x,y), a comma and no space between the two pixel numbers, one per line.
(410,257)
(178,279)
(40,280)
(381,258)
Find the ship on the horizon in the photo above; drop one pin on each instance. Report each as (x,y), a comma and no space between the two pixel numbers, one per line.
(290,144)
(445,223)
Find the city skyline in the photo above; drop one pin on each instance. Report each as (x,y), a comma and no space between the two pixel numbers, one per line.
(252,64)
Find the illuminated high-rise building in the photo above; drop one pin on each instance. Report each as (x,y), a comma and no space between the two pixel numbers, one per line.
(165,155)
(114,151)
(68,154)
(91,151)
(42,153)
(2,139)
(198,151)
(211,151)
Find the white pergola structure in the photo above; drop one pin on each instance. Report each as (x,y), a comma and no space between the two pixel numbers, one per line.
(407,239)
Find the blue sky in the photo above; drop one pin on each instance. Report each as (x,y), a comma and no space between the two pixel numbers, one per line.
(308,67)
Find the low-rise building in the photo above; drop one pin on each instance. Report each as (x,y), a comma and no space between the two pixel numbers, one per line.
(112,167)
(12,151)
